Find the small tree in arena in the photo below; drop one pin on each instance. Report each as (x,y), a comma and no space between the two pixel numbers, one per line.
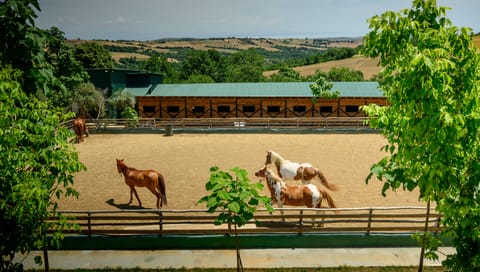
(235,197)
(431,78)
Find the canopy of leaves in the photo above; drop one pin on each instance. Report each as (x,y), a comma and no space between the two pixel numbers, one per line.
(431,78)
(36,167)
(90,102)
(93,55)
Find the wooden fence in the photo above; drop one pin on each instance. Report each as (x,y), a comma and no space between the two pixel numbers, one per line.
(294,220)
(231,123)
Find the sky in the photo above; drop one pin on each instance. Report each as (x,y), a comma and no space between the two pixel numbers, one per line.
(156,19)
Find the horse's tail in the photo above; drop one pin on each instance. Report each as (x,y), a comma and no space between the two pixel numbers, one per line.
(324,180)
(161,188)
(328,198)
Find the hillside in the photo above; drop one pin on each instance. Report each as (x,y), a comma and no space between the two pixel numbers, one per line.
(172,47)
(141,50)
(367,66)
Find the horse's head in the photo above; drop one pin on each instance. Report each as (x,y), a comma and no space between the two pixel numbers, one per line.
(261,172)
(120,166)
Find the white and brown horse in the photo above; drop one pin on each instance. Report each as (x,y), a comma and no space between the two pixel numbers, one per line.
(80,129)
(296,171)
(151,179)
(282,193)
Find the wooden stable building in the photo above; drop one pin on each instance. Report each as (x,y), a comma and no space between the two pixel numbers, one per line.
(248,100)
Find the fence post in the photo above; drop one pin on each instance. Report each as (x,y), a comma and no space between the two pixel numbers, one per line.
(89,221)
(160,223)
(370,212)
(300,223)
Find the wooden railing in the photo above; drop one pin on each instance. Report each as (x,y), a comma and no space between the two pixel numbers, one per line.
(294,220)
(233,123)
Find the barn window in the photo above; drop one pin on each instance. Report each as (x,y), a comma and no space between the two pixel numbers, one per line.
(299,108)
(148,109)
(248,108)
(198,109)
(273,109)
(326,109)
(351,108)
(223,108)
(173,109)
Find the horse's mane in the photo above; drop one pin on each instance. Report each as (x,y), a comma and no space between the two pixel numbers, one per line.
(275,177)
(275,155)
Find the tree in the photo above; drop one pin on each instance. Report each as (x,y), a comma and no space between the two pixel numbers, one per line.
(159,64)
(21,47)
(322,88)
(431,79)
(93,55)
(286,74)
(65,67)
(122,103)
(207,63)
(344,74)
(245,66)
(36,167)
(89,100)
(236,197)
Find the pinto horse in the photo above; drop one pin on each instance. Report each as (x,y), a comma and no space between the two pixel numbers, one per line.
(80,129)
(281,193)
(296,171)
(151,179)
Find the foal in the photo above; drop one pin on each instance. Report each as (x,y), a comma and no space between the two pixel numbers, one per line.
(295,195)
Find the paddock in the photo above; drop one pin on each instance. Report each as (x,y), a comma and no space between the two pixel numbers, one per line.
(181,238)
(185,160)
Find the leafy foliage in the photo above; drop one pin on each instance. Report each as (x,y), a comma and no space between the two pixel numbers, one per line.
(431,78)
(235,197)
(122,104)
(21,47)
(89,101)
(93,55)
(65,66)
(36,167)
(322,88)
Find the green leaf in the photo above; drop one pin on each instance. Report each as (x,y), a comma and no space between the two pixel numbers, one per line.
(234,207)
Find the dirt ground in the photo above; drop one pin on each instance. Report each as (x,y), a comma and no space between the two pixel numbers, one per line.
(185,160)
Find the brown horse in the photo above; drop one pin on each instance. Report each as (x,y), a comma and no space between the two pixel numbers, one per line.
(296,171)
(151,179)
(80,129)
(295,195)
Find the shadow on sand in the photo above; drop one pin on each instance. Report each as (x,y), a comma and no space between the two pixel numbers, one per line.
(125,206)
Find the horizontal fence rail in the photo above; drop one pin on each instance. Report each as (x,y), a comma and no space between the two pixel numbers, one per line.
(236,123)
(294,220)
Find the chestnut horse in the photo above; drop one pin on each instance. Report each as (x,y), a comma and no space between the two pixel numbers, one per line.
(80,129)
(151,179)
(296,171)
(295,195)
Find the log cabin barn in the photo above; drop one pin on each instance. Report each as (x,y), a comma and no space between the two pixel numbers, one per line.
(235,100)
(248,100)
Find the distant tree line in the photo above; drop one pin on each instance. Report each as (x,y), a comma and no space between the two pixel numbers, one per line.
(202,66)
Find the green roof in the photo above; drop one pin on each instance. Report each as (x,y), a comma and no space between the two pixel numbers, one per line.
(263,89)
(138,91)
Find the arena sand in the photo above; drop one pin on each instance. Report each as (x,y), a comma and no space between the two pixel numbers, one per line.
(185,160)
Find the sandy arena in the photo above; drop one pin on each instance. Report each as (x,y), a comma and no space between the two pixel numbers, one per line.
(185,160)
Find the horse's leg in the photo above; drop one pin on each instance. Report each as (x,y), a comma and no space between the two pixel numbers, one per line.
(321,224)
(131,196)
(157,194)
(132,189)
(280,205)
